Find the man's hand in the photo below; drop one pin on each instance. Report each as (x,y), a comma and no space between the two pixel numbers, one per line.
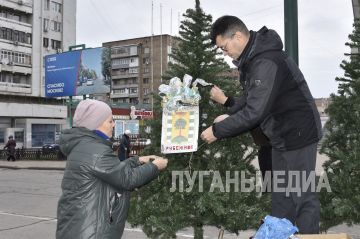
(208,136)
(220,118)
(217,95)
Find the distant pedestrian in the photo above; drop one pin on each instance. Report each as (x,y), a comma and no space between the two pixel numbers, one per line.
(124,147)
(96,186)
(10,148)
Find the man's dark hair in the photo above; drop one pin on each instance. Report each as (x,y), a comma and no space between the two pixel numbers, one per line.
(227,26)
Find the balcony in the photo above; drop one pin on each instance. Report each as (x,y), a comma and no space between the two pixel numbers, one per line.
(15,88)
(124,75)
(16,68)
(123,95)
(124,51)
(19,5)
(121,86)
(122,66)
(13,24)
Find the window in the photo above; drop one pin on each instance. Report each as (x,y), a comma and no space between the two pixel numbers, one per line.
(146,50)
(146,70)
(56,26)
(28,38)
(15,57)
(55,44)
(42,134)
(13,35)
(56,7)
(134,100)
(2,137)
(9,34)
(22,37)
(146,91)
(47,5)
(133,90)
(10,15)
(120,91)
(134,70)
(120,62)
(16,36)
(146,80)
(15,17)
(146,101)
(120,50)
(45,42)
(146,60)
(46,24)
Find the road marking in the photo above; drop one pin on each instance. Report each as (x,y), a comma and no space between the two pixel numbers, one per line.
(28,216)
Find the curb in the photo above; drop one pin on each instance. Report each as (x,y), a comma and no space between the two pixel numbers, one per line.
(33,168)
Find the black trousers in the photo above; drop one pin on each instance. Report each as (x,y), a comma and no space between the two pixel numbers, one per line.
(11,157)
(302,209)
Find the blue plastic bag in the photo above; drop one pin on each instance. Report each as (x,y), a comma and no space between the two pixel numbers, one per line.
(275,228)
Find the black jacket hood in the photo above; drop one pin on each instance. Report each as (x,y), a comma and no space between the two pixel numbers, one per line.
(261,41)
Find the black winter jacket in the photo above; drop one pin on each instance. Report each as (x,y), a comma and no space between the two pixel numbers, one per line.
(276,96)
(96,187)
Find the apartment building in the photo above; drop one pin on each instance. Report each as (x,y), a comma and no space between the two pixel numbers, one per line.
(29,30)
(137,67)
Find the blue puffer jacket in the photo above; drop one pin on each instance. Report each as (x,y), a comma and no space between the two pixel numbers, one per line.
(96,187)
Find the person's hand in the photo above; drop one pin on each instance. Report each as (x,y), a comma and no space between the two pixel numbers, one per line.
(146,159)
(160,162)
(208,135)
(216,94)
(220,118)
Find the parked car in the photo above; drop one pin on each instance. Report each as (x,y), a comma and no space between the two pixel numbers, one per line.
(50,148)
(90,82)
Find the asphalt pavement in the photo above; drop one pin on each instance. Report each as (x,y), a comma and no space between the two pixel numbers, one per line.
(29,191)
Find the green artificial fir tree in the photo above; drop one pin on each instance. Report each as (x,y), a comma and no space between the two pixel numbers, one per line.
(162,210)
(342,144)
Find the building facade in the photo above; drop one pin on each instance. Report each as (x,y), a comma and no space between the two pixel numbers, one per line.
(137,67)
(29,30)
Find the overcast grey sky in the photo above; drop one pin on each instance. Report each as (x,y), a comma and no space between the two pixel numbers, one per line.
(324,26)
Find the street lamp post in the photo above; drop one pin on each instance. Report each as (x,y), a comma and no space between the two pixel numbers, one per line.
(291,29)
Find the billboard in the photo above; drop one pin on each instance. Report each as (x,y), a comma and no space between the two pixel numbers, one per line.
(79,72)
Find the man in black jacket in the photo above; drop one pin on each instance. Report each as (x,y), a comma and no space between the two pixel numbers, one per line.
(278,101)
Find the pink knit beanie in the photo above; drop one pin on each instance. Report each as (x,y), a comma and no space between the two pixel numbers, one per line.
(91,114)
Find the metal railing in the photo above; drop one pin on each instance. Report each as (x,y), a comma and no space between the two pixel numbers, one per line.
(33,154)
(137,146)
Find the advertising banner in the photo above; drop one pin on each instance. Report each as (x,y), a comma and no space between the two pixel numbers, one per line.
(78,72)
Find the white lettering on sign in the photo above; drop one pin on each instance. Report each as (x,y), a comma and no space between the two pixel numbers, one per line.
(56,85)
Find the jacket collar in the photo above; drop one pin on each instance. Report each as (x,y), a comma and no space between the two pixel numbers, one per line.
(101,134)
(246,52)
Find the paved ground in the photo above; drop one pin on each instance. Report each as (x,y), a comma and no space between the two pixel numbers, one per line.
(29,191)
(28,200)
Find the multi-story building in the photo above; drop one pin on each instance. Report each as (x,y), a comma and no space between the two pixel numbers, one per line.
(137,67)
(29,30)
